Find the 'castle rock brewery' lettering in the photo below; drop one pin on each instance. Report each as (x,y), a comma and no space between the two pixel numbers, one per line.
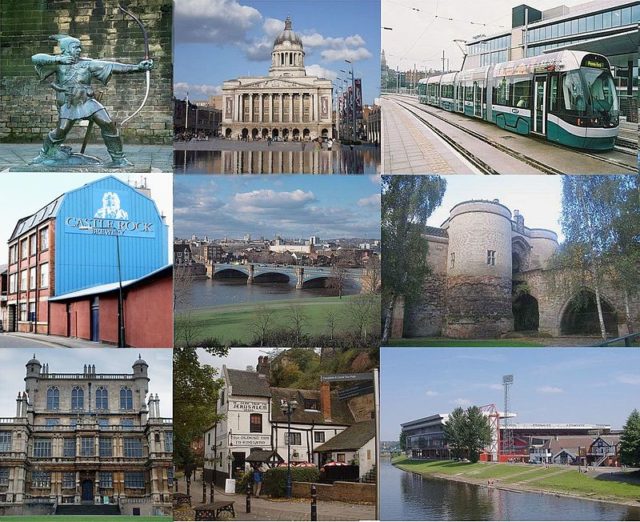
(108,227)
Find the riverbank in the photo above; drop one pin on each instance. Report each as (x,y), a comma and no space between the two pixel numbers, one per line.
(613,486)
(237,323)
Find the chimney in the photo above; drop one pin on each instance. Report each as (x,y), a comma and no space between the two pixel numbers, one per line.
(325,400)
(264,366)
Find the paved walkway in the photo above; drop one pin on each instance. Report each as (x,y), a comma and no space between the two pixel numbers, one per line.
(281,509)
(411,148)
(27,340)
(145,158)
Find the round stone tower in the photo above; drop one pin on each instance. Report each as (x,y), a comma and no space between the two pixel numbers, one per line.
(287,57)
(479,274)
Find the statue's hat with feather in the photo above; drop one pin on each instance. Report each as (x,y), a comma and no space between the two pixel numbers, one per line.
(64,40)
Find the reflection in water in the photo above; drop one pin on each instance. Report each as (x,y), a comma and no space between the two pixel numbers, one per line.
(408,496)
(342,161)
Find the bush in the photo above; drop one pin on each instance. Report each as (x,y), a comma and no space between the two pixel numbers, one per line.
(244,481)
(275,479)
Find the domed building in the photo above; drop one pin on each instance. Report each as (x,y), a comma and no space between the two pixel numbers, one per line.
(286,104)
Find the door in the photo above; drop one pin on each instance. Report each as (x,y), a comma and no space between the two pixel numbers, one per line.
(95,319)
(87,491)
(13,319)
(460,107)
(477,100)
(540,105)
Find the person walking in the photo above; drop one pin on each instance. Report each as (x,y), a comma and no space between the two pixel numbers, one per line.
(329,144)
(257,481)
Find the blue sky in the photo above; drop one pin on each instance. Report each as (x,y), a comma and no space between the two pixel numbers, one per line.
(218,40)
(26,193)
(538,198)
(291,206)
(571,385)
(65,360)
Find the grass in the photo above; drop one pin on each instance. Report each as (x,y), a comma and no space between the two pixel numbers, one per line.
(438,342)
(233,322)
(558,479)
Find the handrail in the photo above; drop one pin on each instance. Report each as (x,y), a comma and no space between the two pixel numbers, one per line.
(626,339)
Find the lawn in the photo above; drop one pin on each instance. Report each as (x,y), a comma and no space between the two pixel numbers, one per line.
(437,342)
(579,483)
(233,322)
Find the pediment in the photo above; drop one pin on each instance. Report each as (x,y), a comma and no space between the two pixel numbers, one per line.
(276,83)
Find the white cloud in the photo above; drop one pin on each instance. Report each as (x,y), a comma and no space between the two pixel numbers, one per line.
(431,393)
(180,90)
(371,201)
(317,40)
(262,199)
(628,379)
(462,402)
(320,72)
(353,55)
(272,27)
(495,387)
(549,389)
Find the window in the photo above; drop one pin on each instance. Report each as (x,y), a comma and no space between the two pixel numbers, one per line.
(296,438)
(126,399)
(5,441)
(4,476)
(69,449)
(318,436)
(103,423)
(255,423)
(341,457)
(132,447)
(24,248)
(68,480)
(521,94)
(491,257)
(32,312)
(168,441)
(453,260)
(32,278)
(53,398)
(44,275)
(170,476)
(311,404)
(53,422)
(106,479)
(77,398)
(126,423)
(87,447)
(106,447)
(32,244)
(134,479)
(23,312)
(102,399)
(13,254)
(208,439)
(42,448)
(13,283)
(40,479)
(23,280)
(221,397)
(44,239)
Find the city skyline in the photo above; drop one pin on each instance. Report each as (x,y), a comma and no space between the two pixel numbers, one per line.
(292,205)
(242,33)
(551,385)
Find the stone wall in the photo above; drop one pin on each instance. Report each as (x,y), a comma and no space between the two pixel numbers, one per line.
(426,317)
(27,106)
(338,491)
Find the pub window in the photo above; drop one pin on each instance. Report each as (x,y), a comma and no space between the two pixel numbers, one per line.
(491,257)
(53,398)
(77,398)
(134,479)
(4,476)
(87,448)
(102,399)
(341,457)
(44,239)
(69,448)
(318,436)
(42,448)
(255,423)
(40,479)
(68,480)
(106,447)
(311,404)
(126,399)
(296,438)
(5,441)
(106,479)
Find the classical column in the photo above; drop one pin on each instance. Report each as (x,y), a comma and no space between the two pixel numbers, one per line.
(251,107)
(280,107)
(312,109)
(260,107)
(291,107)
(271,108)
(301,107)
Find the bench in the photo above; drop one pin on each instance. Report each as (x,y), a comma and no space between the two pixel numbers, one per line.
(180,499)
(212,511)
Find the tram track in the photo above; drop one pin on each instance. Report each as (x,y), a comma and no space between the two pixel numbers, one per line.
(626,147)
(483,166)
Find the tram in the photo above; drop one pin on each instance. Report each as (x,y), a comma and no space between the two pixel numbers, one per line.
(567,97)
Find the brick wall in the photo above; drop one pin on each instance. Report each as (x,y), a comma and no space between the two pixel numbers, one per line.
(27,107)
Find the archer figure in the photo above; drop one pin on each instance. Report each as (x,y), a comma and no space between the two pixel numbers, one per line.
(75,98)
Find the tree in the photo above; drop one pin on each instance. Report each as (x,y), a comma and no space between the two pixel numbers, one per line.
(407,203)
(195,393)
(262,323)
(403,440)
(467,432)
(331,321)
(339,274)
(630,441)
(298,320)
(364,311)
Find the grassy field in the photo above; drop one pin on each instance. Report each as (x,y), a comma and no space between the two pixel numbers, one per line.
(233,323)
(621,487)
(440,342)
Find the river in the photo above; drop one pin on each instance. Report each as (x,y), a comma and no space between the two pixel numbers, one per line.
(407,496)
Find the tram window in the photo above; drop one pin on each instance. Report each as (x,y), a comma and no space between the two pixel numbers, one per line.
(590,23)
(553,94)
(468,93)
(521,94)
(573,93)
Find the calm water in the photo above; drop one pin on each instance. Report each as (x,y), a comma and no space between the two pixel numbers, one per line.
(345,161)
(206,293)
(406,496)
